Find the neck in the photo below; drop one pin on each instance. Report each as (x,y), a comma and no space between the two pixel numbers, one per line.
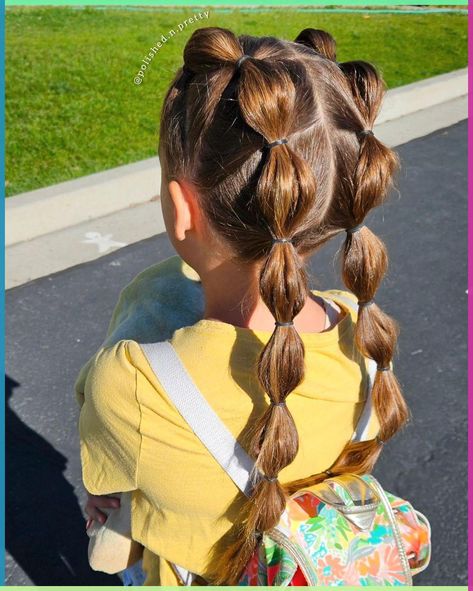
(231,295)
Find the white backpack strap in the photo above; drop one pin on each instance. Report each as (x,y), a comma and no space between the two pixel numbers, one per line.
(362,426)
(198,413)
(185,576)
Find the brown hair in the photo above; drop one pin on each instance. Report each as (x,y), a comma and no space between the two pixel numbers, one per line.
(217,118)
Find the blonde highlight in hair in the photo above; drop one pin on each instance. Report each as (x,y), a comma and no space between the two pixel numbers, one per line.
(218,117)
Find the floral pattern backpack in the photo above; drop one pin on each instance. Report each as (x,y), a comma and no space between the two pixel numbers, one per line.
(346,530)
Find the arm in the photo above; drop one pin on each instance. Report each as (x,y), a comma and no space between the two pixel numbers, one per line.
(109,424)
(160,299)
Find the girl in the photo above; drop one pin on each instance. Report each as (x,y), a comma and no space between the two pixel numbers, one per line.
(267,152)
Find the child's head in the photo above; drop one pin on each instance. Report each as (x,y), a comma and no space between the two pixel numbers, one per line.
(233,97)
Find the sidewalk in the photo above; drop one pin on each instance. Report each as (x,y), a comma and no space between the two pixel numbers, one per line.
(57,227)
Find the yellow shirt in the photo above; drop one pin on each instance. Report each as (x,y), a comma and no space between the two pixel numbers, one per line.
(133,438)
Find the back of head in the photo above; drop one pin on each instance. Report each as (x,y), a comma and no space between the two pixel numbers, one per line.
(233,97)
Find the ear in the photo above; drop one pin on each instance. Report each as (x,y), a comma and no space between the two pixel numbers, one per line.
(186,208)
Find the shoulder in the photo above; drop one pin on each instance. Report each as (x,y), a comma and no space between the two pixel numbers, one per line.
(111,379)
(121,375)
(102,369)
(121,380)
(110,358)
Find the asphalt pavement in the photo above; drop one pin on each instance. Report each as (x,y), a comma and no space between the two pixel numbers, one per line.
(54,324)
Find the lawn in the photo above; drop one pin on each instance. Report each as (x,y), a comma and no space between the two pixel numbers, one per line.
(72,107)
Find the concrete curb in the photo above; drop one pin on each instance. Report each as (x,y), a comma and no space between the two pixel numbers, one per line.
(418,96)
(61,206)
(40,212)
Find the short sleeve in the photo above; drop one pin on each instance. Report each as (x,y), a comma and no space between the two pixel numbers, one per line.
(109,423)
(79,384)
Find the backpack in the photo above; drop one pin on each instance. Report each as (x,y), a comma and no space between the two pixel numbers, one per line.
(346,530)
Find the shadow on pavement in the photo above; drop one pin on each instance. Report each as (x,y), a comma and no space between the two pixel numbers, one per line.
(45,531)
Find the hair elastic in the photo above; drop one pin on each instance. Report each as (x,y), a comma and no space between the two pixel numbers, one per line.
(283,403)
(277,143)
(284,323)
(381,368)
(364,132)
(365,304)
(282,240)
(328,472)
(241,60)
(350,231)
(272,479)
(379,440)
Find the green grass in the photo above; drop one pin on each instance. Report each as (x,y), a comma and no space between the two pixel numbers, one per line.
(72,106)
